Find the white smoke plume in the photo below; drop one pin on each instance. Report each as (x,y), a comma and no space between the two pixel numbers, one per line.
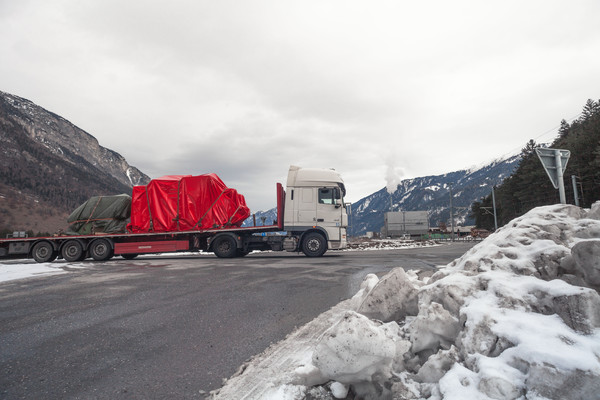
(393,176)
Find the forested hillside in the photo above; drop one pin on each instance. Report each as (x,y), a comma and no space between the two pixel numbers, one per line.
(530,187)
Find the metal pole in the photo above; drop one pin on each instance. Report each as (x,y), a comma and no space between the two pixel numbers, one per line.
(575,194)
(559,177)
(451,216)
(349,212)
(494,205)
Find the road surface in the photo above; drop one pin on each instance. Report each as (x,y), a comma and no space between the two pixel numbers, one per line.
(171,327)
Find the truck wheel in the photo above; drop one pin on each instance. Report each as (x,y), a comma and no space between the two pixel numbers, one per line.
(129,256)
(44,252)
(100,250)
(242,253)
(225,247)
(73,251)
(314,244)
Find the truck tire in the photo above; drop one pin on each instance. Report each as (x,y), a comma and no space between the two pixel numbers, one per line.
(44,252)
(242,253)
(225,247)
(73,251)
(314,244)
(101,250)
(129,256)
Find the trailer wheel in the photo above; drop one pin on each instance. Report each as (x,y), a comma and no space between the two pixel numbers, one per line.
(225,247)
(73,251)
(101,250)
(314,244)
(44,252)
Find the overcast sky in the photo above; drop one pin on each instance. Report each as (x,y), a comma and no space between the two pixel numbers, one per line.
(246,88)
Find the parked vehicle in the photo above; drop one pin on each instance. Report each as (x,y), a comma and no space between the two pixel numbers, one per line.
(311,218)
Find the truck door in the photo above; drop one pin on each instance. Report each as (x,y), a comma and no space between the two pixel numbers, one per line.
(307,211)
(329,211)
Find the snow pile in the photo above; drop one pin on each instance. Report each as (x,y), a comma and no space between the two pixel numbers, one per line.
(517,317)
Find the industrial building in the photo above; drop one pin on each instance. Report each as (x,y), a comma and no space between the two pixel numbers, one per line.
(403,223)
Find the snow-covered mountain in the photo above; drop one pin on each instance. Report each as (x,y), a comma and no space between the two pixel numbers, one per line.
(432,193)
(270,218)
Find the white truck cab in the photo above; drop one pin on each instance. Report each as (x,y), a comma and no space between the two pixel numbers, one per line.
(314,209)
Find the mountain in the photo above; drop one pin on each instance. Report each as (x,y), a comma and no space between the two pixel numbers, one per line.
(270,218)
(48,166)
(432,193)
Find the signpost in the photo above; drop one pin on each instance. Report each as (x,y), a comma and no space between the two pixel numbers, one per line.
(555,163)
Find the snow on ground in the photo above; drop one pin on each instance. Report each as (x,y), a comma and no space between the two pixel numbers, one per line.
(388,244)
(9,272)
(20,269)
(516,317)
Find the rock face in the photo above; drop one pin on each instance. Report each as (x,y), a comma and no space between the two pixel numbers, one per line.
(60,137)
(49,166)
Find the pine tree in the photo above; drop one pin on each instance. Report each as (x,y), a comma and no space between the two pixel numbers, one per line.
(529,148)
(591,107)
(563,131)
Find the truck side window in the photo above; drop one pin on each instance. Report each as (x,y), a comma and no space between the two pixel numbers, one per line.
(326,196)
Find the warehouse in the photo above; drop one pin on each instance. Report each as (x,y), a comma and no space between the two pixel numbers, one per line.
(402,223)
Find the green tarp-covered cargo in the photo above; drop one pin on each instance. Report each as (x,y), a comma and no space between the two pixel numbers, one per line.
(101,214)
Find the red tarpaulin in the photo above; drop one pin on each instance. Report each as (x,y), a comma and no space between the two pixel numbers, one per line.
(184,203)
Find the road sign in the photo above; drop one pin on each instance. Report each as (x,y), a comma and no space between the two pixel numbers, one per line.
(555,163)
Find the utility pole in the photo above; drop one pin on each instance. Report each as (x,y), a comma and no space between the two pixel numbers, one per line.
(575,194)
(349,212)
(494,205)
(451,215)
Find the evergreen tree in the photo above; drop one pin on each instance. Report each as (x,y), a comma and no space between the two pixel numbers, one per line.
(529,186)
(563,131)
(590,109)
(529,148)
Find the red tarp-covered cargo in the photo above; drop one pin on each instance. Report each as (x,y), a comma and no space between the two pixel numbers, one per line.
(185,203)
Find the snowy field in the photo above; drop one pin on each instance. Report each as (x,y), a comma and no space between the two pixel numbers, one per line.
(516,317)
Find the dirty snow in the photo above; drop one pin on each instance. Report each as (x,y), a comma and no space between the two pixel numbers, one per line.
(516,317)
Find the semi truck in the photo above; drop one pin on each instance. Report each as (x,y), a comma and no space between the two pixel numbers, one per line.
(311,218)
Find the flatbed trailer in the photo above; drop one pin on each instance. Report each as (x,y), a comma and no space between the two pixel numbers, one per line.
(293,231)
(224,242)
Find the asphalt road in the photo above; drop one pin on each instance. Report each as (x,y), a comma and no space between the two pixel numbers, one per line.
(170,328)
